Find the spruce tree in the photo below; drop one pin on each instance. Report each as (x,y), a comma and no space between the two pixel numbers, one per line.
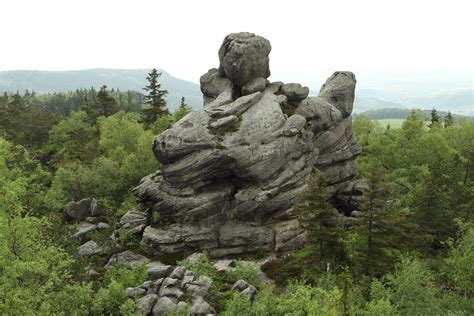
(321,222)
(106,104)
(382,226)
(435,121)
(448,120)
(155,100)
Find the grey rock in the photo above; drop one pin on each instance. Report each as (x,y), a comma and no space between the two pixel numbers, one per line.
(135,220)
(85,229)
(156,270)
(224,121)
(294,91)
(240,285)
(178,273)
(225,264)
(155,286)
(250,291)
(145,285)
(147,302)
(129,258)
(227,186)
(170,287)
(254,85)
(135,292)
(79,211)
(90,248)
(103,226)
(212,84)
(201,307)
(195,257)
(294,125)
(163,305)
(243,57)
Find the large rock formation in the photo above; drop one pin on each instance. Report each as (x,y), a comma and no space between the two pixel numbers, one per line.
(231,172)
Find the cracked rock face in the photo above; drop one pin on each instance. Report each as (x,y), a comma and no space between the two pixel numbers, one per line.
(231,172)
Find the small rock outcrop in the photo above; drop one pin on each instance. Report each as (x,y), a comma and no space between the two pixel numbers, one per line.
(231,172)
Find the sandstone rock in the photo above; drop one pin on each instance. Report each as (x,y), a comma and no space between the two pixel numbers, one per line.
(155,286)
(254,85)
(243,57)
(90,248)
(147,302)
(127,257)
(79,211)
(135,292)
(294,91)
(250,291)
(240,285)
(135,220)
(157,270)
(85,229)
(178,273)
(163,305)
(225,264)
(201,307)
(182,307)
(212,84)
(227,186)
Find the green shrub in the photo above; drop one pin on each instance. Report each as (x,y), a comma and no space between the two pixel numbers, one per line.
(245,271)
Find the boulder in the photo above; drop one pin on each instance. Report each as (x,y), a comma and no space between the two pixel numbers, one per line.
(135,292)
(90,248)
(163,305)
(147,302)
(294,92)
(156,270)
(243,57)
(201,307)
(254,85)
(79,211)
(128,258)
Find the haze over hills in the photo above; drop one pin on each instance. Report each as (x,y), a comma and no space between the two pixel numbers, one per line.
(375,90)
(123,79)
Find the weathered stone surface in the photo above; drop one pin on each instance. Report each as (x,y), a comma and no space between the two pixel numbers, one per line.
(240,285)
(212,84)
(294,91)
(231,172)
(163,305)
(201,307)
(157,270)
(135,220)
(127,257)
(135,292)
(79,211)
(90,248)
(243,57)
(147,302)
(254,85)
(84,229)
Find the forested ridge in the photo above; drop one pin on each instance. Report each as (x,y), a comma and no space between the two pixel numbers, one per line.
(409,251)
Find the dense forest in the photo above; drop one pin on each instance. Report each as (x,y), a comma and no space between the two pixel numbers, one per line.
(410,251)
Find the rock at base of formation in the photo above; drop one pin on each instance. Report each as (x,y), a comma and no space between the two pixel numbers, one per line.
(231,172)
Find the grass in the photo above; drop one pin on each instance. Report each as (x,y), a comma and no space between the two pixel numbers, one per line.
(394,123)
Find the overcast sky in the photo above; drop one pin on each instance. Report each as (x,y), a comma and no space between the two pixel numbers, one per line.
(308,38)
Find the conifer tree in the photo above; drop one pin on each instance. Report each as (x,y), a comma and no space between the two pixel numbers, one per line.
(320,220)
(155,99)
(434,118)
(448,120)
(382,227)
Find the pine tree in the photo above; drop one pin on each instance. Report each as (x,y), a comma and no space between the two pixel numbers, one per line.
(448,120)
(155,100)
(320,220)
(435,121)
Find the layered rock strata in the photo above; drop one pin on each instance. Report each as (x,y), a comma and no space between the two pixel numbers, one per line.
(231,172)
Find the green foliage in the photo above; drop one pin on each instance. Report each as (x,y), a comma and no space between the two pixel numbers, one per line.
(155,103)
(319,218)
(245,271)
(111,297)
(203,266)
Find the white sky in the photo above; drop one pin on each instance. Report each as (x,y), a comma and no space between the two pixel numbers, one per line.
(182,37)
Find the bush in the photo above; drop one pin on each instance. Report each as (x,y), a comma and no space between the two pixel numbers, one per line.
(244,271)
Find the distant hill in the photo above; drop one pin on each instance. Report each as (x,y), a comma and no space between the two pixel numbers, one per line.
(395,113)
(123,79)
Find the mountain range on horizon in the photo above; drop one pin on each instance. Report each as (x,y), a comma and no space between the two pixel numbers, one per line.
(423,94)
